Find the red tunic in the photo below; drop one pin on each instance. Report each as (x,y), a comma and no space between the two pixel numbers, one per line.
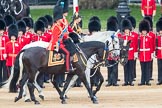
(56,36)
(132,47)
(152,35)
(145,48)
(22,41)
(159,47)
(148,6)
(28,35)
(3,40)
(43,37)
(65,22)
(12,49)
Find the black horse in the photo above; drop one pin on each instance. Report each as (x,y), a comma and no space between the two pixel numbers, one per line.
(36,59)
(4,7)
(19,9)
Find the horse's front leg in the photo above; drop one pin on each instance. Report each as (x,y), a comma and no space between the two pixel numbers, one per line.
(22,84)
(53,81)
(100,82)
(85,82)
(70,81)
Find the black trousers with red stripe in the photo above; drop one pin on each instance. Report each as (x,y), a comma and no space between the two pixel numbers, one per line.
(145,75)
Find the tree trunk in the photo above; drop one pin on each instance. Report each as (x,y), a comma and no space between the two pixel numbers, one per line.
(97,4)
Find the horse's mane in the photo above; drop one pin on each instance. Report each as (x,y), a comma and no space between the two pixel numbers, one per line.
(97,36)
(91,43)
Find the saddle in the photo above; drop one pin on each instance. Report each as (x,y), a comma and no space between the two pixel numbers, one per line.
(56,58)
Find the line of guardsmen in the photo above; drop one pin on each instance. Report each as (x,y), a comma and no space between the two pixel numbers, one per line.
(145,45)
(23,33)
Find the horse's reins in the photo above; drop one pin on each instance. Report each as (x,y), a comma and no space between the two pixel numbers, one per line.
(22,6)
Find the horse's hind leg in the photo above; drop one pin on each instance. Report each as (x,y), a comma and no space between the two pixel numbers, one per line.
(22,84)
(100,82)
(31,91)
(56,85)
(70,81)
(85,82)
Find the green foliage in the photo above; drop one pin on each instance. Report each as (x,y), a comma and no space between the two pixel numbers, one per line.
(102,14)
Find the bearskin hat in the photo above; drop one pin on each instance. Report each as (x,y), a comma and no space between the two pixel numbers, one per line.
(50,19)
(57,13)
(39,25)
(160,18)
(9,20)
(159,26)
(44,20)
(2,25)
(66,6)
(28,22)
(94,24)
(112,24)
(132,20)
(21,26)
(149,19)
(96,18)
(144,25)
(126,24)
(13,31)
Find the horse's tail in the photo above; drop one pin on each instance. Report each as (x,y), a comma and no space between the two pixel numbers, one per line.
(15,74)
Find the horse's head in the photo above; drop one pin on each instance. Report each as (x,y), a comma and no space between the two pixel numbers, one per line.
(124,48)
(114,47)
(13,4)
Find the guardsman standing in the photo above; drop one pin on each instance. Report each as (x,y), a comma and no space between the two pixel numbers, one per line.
(135,36)
(148,8)
(75,24)
(9,19)
(152,35)
(29,25)
(126,27)
(12,47)
(145,52)
(3,40)
(65,14)
(50,22)
(39,29)
(21,32)
(45,21)
(94,25)
(159,50)
(112,25)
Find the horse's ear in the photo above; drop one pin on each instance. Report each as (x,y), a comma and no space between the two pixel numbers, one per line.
(107,44)
(128,43)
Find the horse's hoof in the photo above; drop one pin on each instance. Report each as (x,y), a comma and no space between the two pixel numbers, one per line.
(42,97)
(16,99)
(28,100)
(63,102)
(37,103)
(66,97)
(95,102)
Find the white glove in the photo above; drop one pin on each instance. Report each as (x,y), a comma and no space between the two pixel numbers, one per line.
(4,56)
(152,55)
(56,49)
(154,13)
(136,55)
